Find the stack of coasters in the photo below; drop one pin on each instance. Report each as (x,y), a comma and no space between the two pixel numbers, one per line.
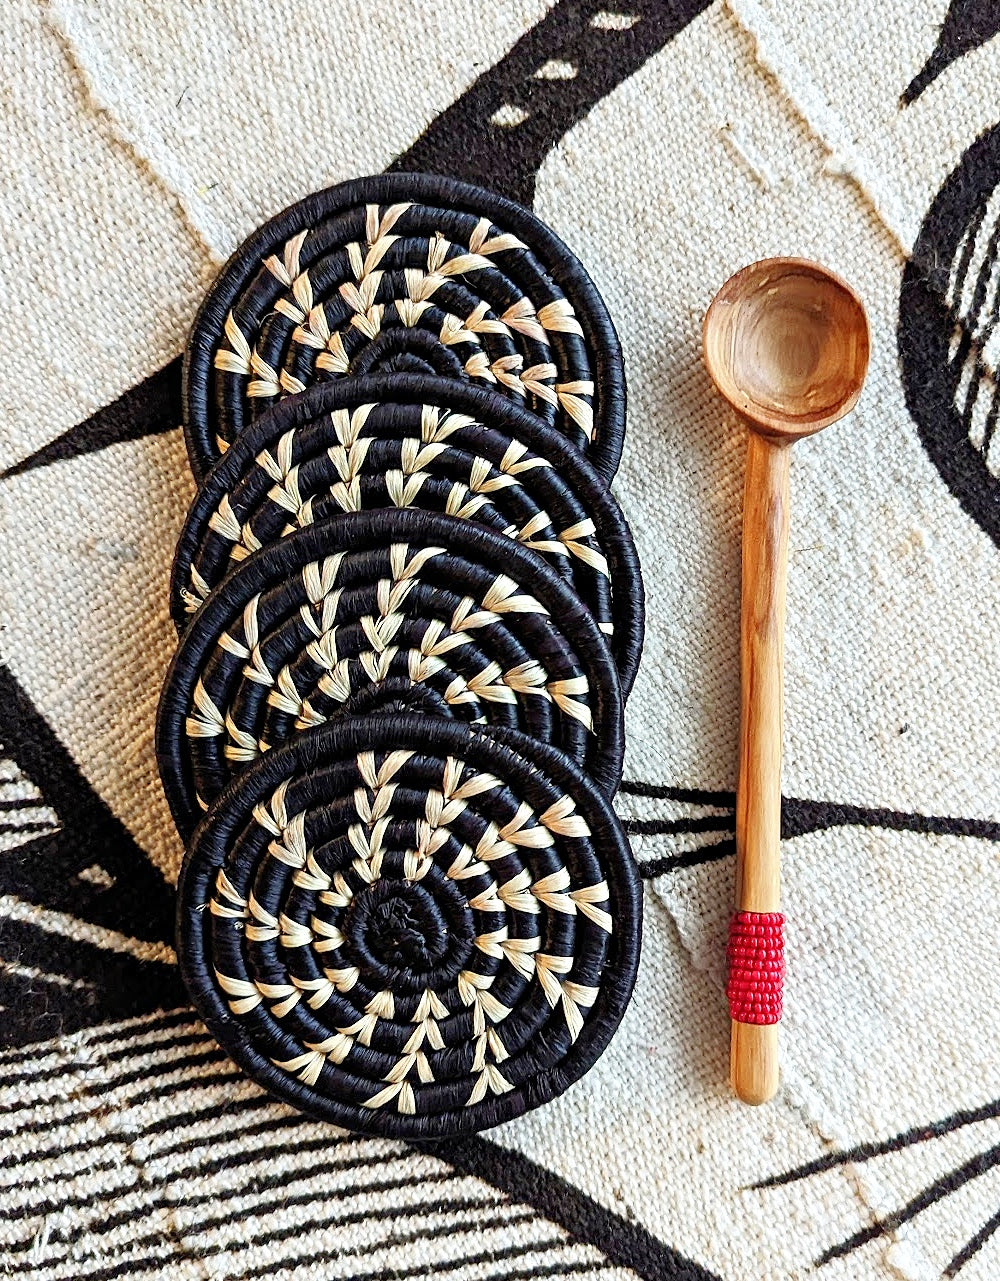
(410,611)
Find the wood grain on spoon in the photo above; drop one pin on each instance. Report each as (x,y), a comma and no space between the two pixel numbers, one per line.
(786,342)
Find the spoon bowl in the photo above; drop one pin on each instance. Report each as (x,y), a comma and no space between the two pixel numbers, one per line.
(786,343)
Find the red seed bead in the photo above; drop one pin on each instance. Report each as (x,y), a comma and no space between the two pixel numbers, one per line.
(756,955)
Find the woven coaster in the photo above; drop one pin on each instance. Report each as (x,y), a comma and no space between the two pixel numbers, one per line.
(405,273)
(376,611)
(404,440)
(409,926)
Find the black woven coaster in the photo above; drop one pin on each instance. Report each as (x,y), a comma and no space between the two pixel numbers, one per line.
(384,610)
(405,273)
(409,926)
(433,443)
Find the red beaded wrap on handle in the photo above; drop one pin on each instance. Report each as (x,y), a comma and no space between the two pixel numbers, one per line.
(756,956)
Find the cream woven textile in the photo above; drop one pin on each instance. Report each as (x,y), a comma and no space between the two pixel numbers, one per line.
(668,142)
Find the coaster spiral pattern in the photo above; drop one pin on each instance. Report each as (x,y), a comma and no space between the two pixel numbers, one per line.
(410,926)
(405,273)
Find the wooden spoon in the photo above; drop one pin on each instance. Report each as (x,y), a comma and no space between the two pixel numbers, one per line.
(786,342)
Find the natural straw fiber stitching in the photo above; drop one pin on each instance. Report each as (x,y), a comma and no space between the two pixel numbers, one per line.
(405,273)
(403,440)
(384,609)
(410,926)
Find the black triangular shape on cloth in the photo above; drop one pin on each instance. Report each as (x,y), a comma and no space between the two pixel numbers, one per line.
(91,867)
(150,408)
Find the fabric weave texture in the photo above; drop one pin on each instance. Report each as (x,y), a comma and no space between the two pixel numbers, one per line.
(668,142)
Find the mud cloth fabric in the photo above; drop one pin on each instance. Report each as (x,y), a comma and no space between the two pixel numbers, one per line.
(667,144)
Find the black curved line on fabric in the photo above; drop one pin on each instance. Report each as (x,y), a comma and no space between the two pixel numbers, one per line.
(967,25)
(800,816)
(691,795)
(868,1151)
(625,1243)
(936,1191)
(22,803)
(28,829)
(927,321)
(972,1246)
(679,826)
(270,1125)
(649,869)
(143,1075)
(948,1183)
(463,143)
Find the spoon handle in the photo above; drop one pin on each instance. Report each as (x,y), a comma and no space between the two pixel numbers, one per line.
(755,946)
